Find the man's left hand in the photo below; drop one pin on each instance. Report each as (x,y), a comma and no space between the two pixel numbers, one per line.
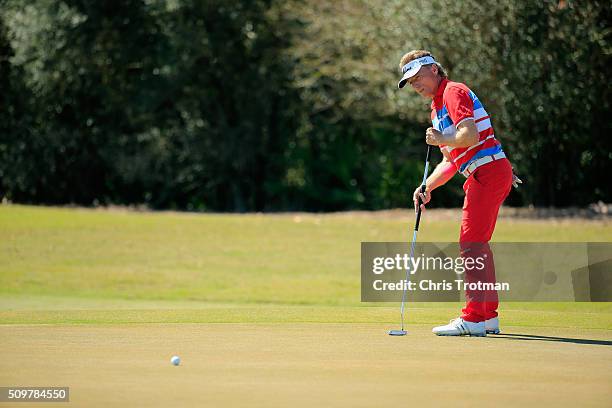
(433,137)
(515,180)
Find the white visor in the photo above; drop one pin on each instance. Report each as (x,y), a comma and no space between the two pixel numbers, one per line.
(411,68)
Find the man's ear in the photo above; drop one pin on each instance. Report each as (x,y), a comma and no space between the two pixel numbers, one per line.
(434,69)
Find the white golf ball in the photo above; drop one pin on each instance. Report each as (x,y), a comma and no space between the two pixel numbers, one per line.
(176,360)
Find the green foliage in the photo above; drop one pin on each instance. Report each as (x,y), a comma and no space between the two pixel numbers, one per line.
(171,104)
(272,105)
(559,73)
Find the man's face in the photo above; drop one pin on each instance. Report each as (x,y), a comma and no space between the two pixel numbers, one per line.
(426,81)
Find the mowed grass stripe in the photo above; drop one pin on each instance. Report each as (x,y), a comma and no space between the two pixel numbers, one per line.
(308,259)
(305,314)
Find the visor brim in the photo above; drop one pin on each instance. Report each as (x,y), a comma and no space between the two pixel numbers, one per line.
(409,74)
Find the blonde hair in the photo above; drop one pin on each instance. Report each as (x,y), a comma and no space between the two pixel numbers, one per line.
(414,54)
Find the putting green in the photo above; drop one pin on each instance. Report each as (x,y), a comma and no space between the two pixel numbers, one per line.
(306,365)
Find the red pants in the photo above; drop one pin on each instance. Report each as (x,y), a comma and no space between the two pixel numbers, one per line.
(485,191)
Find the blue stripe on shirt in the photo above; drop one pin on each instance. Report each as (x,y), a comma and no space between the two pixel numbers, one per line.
(482,153)
(446,123)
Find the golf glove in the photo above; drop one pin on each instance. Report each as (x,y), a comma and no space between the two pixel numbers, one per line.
(516,181)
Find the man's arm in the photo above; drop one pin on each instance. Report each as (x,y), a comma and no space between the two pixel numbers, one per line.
(466,135)
(443,172)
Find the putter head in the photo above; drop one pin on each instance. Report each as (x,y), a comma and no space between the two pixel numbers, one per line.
(397,332)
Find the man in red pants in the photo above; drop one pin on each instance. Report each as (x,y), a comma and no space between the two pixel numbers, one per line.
(462,130)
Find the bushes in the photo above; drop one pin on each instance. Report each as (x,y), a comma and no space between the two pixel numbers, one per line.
(269,105)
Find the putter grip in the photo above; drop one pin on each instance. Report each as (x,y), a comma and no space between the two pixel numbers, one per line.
(418,217)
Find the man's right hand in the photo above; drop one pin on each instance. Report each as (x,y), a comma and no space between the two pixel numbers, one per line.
(422,197)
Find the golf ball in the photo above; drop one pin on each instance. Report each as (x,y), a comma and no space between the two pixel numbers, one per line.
(175,360)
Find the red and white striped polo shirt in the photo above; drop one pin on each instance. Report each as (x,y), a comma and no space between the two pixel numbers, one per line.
(454,102)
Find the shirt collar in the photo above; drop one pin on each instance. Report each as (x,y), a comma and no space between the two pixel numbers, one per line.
(439,93)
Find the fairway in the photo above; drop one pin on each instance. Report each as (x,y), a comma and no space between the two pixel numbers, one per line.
(264,311)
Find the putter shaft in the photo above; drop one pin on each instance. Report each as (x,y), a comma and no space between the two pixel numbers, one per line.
(414,234)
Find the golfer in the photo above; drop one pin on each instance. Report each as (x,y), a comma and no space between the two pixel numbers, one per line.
(463,131)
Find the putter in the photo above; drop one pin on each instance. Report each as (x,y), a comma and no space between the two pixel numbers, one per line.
(403,332)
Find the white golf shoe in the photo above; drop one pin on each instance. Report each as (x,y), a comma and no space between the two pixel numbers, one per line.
(460,327)
(492,326)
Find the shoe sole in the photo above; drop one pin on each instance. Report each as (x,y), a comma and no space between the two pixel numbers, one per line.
(493,331)
(461,335)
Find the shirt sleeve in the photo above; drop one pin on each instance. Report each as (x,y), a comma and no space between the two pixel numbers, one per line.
(459,104)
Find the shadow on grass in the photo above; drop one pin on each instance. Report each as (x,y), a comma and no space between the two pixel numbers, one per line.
(513,336)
